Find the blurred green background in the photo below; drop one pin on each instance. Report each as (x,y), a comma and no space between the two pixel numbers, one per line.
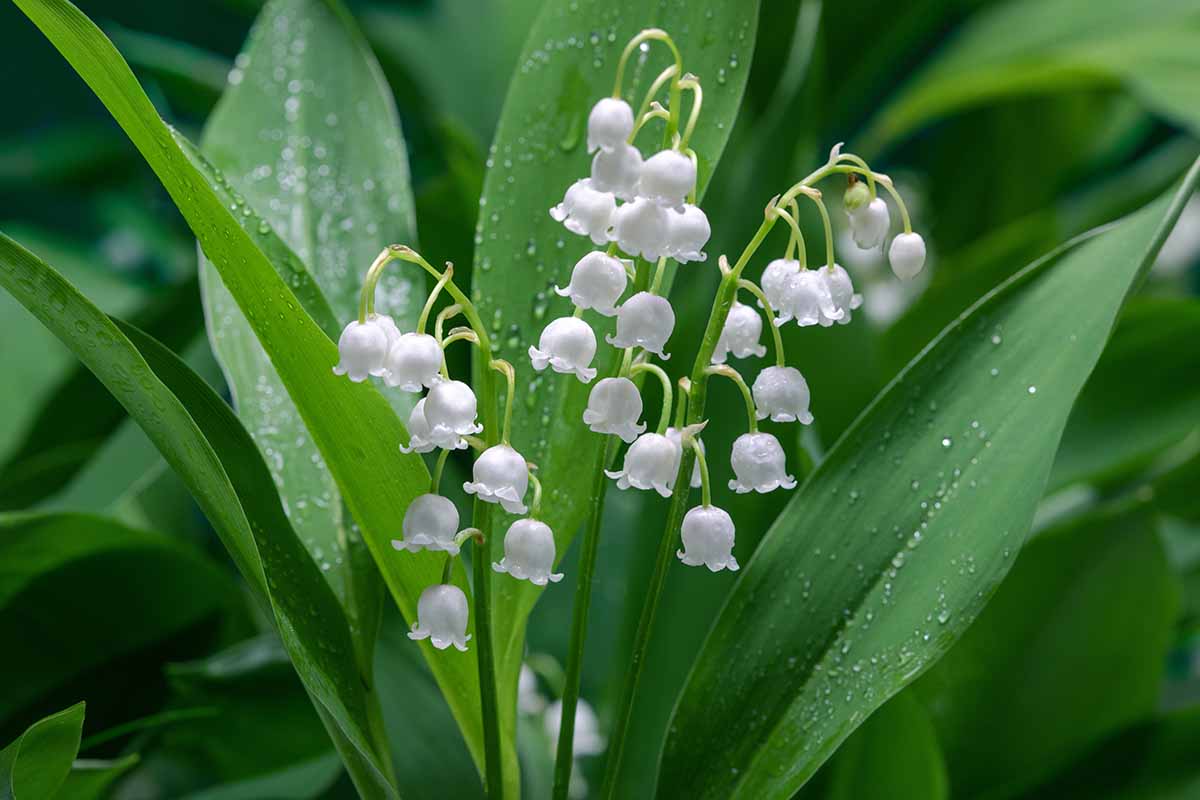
(1012,126)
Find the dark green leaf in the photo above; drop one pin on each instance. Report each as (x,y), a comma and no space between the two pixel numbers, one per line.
(91,779)
(894,543)
(35,765)
(309,779)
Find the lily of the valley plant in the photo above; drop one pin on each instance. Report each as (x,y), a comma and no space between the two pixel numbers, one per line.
(639,209)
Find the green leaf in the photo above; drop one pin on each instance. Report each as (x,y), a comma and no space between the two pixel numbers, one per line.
(1028,46)
(540,149)
(1143,397)
(248,519)
(35,765)
(92,779)
(1087,612)
(308,779)
(353,425)
(895,753)
(894,543)
(307,135)
(93,590)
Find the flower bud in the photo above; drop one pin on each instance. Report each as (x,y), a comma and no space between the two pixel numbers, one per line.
(597,282)
(650,463)
(907,255)
(420,438)
(568,345)
(707,534)
(687,233)
(869,224)
(450,409)
(442,617)
(857,195)
(841,292)
(501,476)
(362,350)
(740,335)
(529,553)
(668,177)
(759,464)
(617,170)
(609,124)
(645,320)
(781,393)
(640,228)
(430,523)
(413,361)
(776,282)
(614,407)
(586,211)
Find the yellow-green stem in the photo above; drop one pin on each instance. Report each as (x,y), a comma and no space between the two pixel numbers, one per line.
(726,371)
(433,296)
(664,417)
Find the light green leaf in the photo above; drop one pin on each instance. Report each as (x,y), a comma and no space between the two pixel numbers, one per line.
(35,765)
(1087,612)
(354,427)
(94,590)
(1151,48)
(307,135)
(540,149)
(892,546)
(224,471)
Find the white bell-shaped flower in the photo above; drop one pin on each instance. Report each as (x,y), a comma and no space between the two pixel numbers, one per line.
(907,255)
(586,740)
(674,435)
(841,292)
(597,282)
(869,224)
(644,320)
(529,553)
(668,177)
(450,409)
(442,617)
(617,169)
(529,698)
(707,534)
(776,282)
(650,463)
(739,337)
(501,476)
(420,439)
(567,345)
(413,361)
(609,124)
(687,233)
(808,299)
(430,523)
(641,228)
(614,407)
(362,349)
(781,393)
(389,327)
(759,464)
(586,211)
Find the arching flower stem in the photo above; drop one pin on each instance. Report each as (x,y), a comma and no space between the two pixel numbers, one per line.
(535,505)
(726,371)
(664,418)
(705,490)
(510,376)
(692,84)
(796,240)
(655,87)
(769,314)
(870,176)
(447,276)
(647,35)
(815,196)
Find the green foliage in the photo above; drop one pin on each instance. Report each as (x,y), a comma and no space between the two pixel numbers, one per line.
(35,765)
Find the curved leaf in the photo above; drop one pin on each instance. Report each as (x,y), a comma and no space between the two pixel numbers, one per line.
(354,427)
(306,135)
(898,538)
(568,64)
(35,765)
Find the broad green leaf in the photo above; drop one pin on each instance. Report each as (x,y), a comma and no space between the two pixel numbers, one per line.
(1143,397)
(35,765)
(94,591)
(92,779)
(353,425)
(309,779)
(894,543)
(1027,46)
(540,149)
(895,753)
(307,136)
(248,518)
(1087,612)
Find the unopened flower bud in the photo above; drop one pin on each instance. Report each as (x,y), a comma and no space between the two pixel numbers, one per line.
(759,464)
(413,361)
(501,476)
(644,320)
(869,224)
(857,195)
(907,255)
(614,407)
(781,393)
(708,536)
(586,211)
(650,463)
(430,523)
(739,337)
(609,124)
(529,553)
(442,617)
(597,282)
(668,177)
